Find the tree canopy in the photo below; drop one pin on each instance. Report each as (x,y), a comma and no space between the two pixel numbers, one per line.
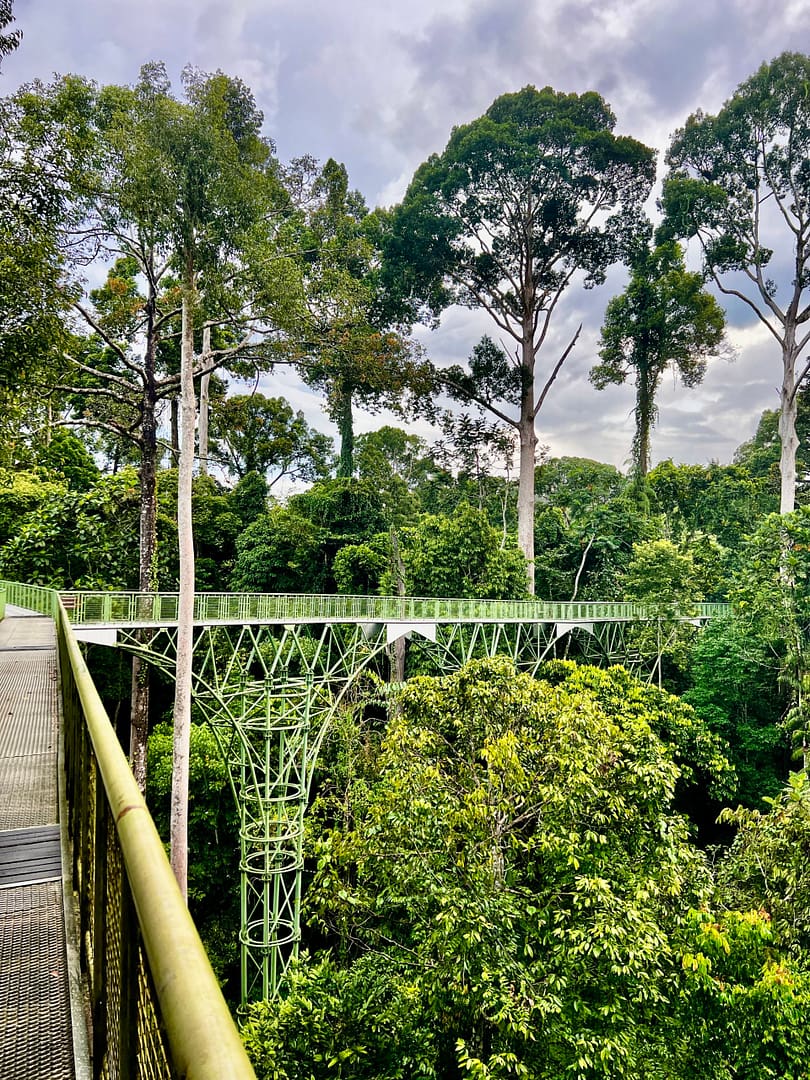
(523,199)
(663,319)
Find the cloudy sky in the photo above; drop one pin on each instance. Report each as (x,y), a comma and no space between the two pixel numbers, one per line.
(379,86)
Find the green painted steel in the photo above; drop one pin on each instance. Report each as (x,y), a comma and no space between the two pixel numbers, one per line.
(157,1010)
(160,609)
(33,597)
(269,694)
(270,690)
(271,671)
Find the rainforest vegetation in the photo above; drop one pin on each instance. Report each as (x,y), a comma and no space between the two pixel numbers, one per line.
(585,873)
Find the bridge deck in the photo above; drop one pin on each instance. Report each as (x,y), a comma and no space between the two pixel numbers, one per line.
(109,610)
(36,1036)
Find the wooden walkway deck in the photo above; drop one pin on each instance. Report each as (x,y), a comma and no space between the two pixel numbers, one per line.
(36,1023)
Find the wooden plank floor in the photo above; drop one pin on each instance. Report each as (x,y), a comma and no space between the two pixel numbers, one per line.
(35,1021)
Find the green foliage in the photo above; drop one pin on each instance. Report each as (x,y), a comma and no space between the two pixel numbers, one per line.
(20,494)
(359,568)
(293,548)
(396,463)
(213,837)
(365,1022)
(257,434)
(576,485)
(701,755)
(662,575)
(586,526)
(724,501)
(281,551)
(460,555)
(517,853)
(68,458)
(34,162)
(78,540)
(248,499)
(346,509)
(772,588)
(454,555)
(216,527)
(733,674)
(742,1008)
(767,867)
(666,578)
(510,894)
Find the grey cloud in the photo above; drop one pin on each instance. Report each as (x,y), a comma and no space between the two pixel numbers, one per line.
(380,87)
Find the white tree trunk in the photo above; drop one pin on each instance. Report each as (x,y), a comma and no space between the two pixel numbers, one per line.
(185,624)
(528,451)
(528,445)
(787,427)
(205,382)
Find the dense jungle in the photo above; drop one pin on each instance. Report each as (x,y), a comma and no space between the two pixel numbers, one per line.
(592,872)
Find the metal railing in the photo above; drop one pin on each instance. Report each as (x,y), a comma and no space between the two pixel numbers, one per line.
(160,609)
(33,597)
(155,1007)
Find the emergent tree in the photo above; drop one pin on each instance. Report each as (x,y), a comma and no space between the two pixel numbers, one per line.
(740,183)
(534,192)
(343,344)
(664,318)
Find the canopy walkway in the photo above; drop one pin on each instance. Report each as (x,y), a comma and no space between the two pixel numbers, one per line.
(133,609)
(271,672)
(102,973)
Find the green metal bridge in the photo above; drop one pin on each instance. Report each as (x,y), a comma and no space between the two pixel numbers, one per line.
(271,671)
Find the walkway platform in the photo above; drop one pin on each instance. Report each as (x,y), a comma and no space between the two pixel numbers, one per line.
(36,1031)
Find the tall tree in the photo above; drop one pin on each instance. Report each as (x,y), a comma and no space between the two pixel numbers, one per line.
(33,303)
(663,319)
(133,169)
(534,192)
(739,183)
(213,199)
(342,345)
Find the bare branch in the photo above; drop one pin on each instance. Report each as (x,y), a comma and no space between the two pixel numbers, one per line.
(105,376)
(120,353)
(556,371)
(118,430)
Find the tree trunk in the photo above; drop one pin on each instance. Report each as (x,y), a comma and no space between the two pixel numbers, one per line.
(205,382)
(787,423)
(185,617)
(528,450)
(644,411)
(345,426)
(174,423)
(400,646)
(147,557)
